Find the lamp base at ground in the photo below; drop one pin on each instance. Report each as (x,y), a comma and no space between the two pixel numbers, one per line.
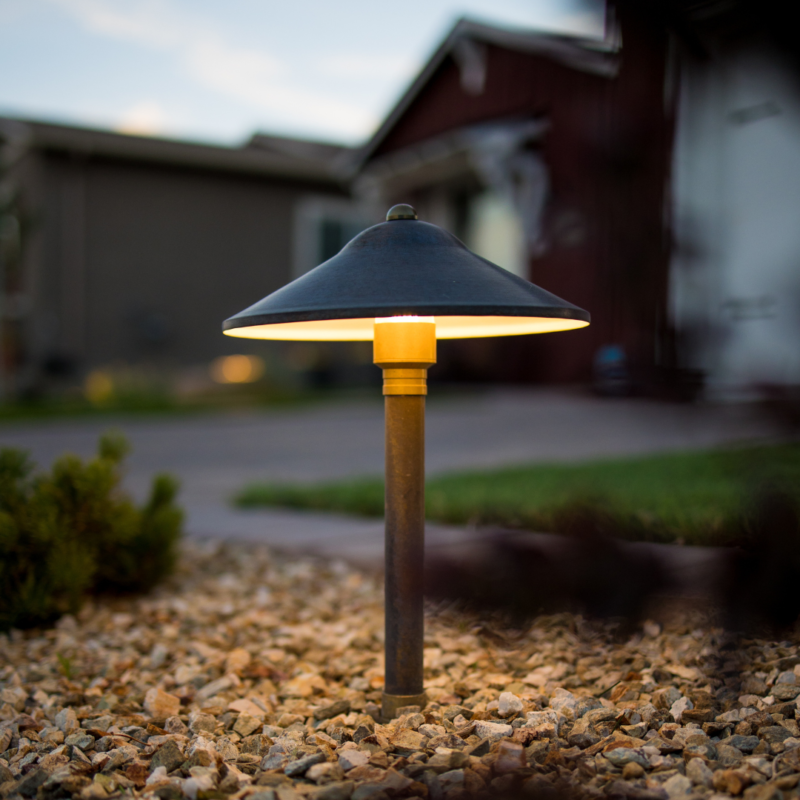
(393,702)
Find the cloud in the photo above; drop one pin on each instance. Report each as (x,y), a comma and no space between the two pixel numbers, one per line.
(147,22)
(252,76)
(256,79)
(361,66)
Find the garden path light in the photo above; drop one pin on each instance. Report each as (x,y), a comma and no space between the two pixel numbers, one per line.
(403,284)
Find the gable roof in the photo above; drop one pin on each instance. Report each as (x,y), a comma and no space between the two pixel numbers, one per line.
(596,56)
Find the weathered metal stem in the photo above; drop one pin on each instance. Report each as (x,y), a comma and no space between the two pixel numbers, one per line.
(405,350)
(405,548)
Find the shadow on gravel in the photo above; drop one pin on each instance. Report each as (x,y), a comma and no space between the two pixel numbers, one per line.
(548,791)
(762,575)
(590,571)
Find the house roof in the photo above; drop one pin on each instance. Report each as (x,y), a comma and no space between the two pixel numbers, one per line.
(261,155)
(596,56)
(301,150)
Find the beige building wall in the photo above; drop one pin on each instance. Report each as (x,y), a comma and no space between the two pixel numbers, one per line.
(132,263)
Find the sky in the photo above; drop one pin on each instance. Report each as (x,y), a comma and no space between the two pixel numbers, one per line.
(213,71)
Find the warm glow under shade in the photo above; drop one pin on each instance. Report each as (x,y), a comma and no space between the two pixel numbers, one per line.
(361,330)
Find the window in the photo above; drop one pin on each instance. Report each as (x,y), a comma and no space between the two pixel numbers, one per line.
(493,230)
(323,226)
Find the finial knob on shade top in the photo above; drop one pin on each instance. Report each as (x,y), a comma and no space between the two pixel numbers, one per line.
(400,211)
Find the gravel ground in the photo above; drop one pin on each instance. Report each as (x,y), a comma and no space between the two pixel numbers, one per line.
(255,675)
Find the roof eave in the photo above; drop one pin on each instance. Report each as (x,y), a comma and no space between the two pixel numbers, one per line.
(90,143)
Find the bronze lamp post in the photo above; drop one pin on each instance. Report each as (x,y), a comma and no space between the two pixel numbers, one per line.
(403,284)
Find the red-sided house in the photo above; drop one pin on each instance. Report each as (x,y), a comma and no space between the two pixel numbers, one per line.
(551,156)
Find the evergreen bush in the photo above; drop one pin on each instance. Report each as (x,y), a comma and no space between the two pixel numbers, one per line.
(73,531)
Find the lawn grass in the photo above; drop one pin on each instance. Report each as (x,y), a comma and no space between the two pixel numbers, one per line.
(695,497)
(165,404)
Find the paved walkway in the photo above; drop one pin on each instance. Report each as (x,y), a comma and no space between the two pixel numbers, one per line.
(214,455)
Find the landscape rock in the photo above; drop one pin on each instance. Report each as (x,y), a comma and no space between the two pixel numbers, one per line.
(729,756)
(764,791)
(66,721)
(445,760)
(730,781)
(510,758)
(406,740)
(544,724)
(492,730)
(28,786)
(699,773)
(352,758)
(677,786)
(785,691)
(633,771)
(583,734)
(331,710)
(564,702)
(325,772)
(200,722)
(772,734)
(679,706)
(80,739)
(299,767)
(246,725)
(237,659)
(159,703)
(452,781)
(620,756)
(167,756)
(509,705)
(744,743)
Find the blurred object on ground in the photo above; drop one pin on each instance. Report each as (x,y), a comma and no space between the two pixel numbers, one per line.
(610,371)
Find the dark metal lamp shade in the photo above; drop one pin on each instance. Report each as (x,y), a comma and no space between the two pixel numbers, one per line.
(403,268)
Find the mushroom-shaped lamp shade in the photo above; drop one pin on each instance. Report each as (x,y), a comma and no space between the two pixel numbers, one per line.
(405,268)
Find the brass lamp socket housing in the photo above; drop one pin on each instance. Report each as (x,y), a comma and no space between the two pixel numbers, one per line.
(404,349)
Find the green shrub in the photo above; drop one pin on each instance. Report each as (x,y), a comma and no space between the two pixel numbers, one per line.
(72,532)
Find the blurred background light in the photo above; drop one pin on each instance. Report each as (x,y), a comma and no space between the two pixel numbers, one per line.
(237,369)
(98,387)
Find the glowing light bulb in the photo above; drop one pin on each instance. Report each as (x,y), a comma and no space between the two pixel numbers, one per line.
(408,318)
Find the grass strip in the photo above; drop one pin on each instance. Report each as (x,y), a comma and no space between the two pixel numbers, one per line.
(696,497)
